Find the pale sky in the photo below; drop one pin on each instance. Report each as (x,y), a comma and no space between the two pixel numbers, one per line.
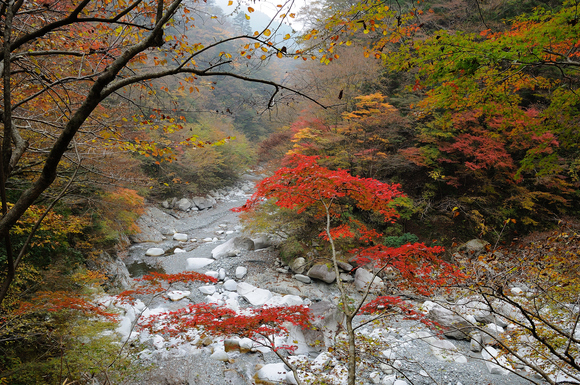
(266,6)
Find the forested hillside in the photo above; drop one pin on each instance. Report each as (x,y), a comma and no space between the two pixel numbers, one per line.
(468,111)
(472,106)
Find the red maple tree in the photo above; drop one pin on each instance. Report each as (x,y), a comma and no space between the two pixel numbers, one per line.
(331,195)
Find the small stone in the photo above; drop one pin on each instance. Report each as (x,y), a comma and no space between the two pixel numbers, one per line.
(344,277)
(493,332)
(208,290)
(158,342)
(491,356)
(220,355)
(184,204)
(213,274)
(176,295)
(375,377)
(230,285)
(206,341)
(180,237)
(154,252)
(476,343)
(344,266)
(246,345)
(241,272)
(389,379)
(222,274)
(517,291)
(293,300)
(387,369)
(178,250)
(298,265)
(303,278)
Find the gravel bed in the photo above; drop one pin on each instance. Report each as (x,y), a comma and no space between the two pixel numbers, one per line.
(415,356)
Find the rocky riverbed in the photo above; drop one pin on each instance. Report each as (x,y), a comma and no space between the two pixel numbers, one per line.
(403,352)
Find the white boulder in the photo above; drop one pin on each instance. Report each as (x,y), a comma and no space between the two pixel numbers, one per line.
(213,274)
(197,263)
(241,272)
(220,355)
(230,285)
(253,295)
(207,290)
(176,295)
(495,363)
(154,252)
(180,237)
(363,277)
(272,373)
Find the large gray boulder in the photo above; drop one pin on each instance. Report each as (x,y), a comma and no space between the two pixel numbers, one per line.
(326,322)
(298,265)
(184,204)
(262,242)
(323,272)
(362,279)
(150,224)
(453,325)
(118,277)
(233,247)
(203,203)
(474,248)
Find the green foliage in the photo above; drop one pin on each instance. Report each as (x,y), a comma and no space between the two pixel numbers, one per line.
(488,121)
(47,337)
(62,346)
(199,169)
(394,241)
(26,281)
(51,240)
(496,121)
(366,142)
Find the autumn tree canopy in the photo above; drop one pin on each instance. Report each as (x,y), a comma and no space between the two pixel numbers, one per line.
(490,97)
(66,65)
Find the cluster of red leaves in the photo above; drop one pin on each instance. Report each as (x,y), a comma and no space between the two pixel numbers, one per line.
(304,184)
(223,321)
(479,151)
(185,277)
(213,319)
(55,301)
(418,266)
(352,229)
(156,283)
